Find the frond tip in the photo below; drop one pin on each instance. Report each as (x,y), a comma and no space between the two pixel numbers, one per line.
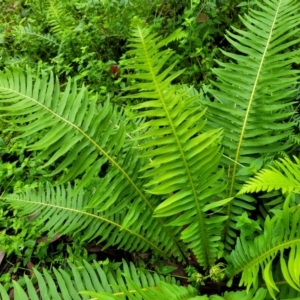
(285,176)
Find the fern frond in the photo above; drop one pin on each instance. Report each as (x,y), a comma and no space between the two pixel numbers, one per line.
(285,290)
(58,16)
(61,212)
(164,291)
(184,157)
(285,177)
(68,118)
(253,94)
(79,136)
(28,30)
(260,294)
(70,283)
(255,258)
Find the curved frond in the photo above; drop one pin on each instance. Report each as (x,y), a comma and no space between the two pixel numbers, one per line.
(255,258)
(67,119)
(285,177)
(58,16)
(28,31)
(260,294)
(60,212)
(79,136)
(164,291)
(254,92)
(71,283)
(184,157)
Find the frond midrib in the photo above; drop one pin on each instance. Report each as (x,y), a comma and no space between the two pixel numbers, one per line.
(204,244)
(91,141)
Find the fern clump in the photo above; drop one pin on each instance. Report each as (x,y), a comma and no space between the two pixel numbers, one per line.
(174,171)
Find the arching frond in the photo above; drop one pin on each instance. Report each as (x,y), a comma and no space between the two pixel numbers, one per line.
(285,177)
(184,166)
(65,118)
(58,15)
(167,291)
(70,284)
(60,212)
(254,91)
(78,137)
(28,31)
(164,291)
(255,258)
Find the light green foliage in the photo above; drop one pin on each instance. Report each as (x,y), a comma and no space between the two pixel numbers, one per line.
(182,160)
(285,175)
(157,176)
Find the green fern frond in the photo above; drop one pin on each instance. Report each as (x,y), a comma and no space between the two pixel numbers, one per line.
(28,30)
(67,118)
(58,16)
(255,258)
(260,294)
(167,291)
(70,283)
(79,136)
(184,158)
(285,177)
(164,291)
(59,212)
(253,94)
(285,290)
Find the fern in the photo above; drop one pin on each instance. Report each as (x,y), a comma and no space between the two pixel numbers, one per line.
(110,282)
(60,212)
(184,164)
(82,139)
(253,95)
(171,166)
(28,31)
(58,16)
(250,256)
(285,177)
(69,283)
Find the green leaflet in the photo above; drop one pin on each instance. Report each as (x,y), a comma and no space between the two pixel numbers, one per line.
(102,279)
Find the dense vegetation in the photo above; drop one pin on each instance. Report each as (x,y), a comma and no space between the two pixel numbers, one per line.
(149,149)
